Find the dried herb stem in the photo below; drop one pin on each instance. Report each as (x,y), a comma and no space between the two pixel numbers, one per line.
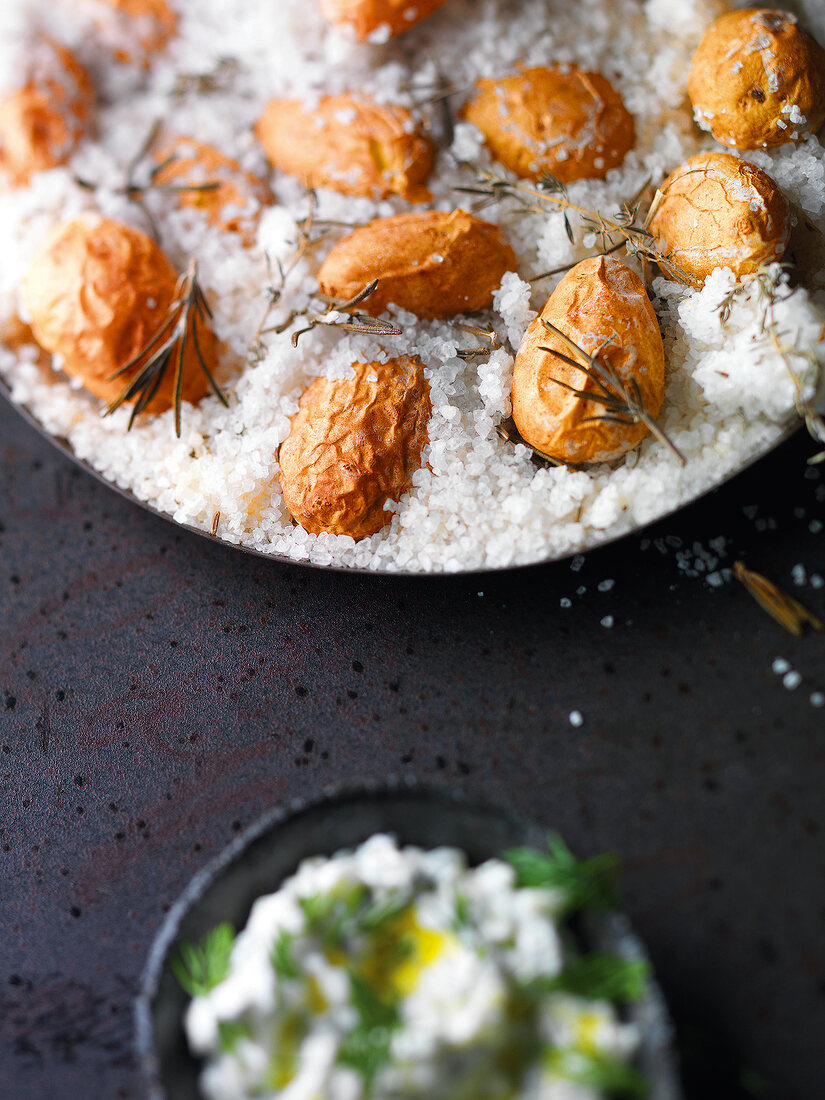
(771,283)
(549,193)
(622,402)
(166,350)
(785,609)
(136,192)
(488,341)
(343,315)
(219,79)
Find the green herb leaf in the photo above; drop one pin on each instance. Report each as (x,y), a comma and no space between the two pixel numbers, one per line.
(600,977)
(282,957)
(586,884)
(200,968)
(601,1072)
(378,914)
(230,1033)
(367,1048)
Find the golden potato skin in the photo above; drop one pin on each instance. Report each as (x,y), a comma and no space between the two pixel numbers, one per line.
(349,144)
(559,121)
(235,207)
(751,68)
(42,123)
(354,445)
(96,295)
(720,211)
(161,21)
(432,264)
(363,18)
(602,306)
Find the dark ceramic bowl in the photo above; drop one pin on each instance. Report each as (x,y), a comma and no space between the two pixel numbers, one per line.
(269,851)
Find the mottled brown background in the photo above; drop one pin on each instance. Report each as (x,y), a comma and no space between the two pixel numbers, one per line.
(158,692)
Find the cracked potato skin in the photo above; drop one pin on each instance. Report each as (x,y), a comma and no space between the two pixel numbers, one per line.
(364,18)
(751,68)
(603,307)
(433,264)
(96,295)
(42,123)
(354,445)
(349,144)
(558,121)
(719,211)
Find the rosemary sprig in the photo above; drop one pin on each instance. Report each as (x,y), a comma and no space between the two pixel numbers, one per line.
(787,611)
(627,229)
(623,403)
(772,286)
(166,350)
(136,192)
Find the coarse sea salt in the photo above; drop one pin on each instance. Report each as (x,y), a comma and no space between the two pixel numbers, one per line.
(478,502)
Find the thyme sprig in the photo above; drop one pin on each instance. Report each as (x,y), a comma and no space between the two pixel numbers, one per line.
(627,229)
(622,402)
(785,609)
(343,315)
(136,191)
(772,286)
(488,341)
(166,350)
(219,79)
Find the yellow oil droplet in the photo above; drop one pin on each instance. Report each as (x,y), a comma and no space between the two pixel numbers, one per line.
(587,1028)
(317,1001)
(399,954)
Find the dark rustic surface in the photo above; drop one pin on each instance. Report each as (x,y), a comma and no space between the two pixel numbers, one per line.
(158,692)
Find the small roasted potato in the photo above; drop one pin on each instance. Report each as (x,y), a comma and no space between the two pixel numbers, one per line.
(17,336)
(558,121)
(432,264)
(235,206)
(758,80)
(151,23)
(43,121)
(377,20)
(96,295)
(719,211)
(601,306)
(354,445)
(349,144)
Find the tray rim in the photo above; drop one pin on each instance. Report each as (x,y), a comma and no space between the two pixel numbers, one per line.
(65,448)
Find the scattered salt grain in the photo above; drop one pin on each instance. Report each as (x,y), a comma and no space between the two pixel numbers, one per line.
(791,680)
(576,718)
(605,586)
(799,575)
(565,602)
(780,666)
(607,621)
(818,699)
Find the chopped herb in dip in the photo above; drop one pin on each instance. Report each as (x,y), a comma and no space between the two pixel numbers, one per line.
(389,973)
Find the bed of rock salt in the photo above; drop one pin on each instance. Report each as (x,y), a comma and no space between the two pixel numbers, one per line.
(479,502)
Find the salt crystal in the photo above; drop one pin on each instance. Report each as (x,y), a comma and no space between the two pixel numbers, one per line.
(791,680)
(780,666)
(576,718)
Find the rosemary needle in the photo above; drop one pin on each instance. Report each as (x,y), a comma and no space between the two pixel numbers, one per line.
(787,611)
